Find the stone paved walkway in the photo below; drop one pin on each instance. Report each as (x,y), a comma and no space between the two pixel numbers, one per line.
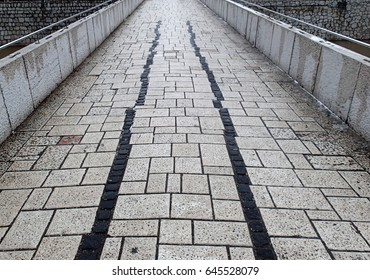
(141,154)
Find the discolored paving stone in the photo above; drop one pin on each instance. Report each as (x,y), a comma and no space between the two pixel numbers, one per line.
(175,232)
(68,140)
(134,228)
(221,233)
(72,221)
(10,204)
(26,231)
(297,198)
(273,177)
(58,248)
(136,206)
(359,181)
(111,249)
(139,248)
(23,180)
(186,206)
(173,252)
(67,177)
(339,235)
(223,187)
(299,249)
(352,209)
(321,178)
(334,163)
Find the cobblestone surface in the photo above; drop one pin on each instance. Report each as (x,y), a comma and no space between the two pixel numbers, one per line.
(183,194)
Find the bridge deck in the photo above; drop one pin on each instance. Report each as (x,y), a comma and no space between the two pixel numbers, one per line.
(178,140)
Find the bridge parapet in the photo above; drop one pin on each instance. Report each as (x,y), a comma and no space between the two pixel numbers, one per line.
(31,74)
(337,77)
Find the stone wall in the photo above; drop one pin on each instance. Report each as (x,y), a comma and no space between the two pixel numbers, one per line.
(347,17)
(21,17)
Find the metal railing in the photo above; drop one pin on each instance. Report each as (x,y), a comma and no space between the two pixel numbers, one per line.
(66,20)
(246,3)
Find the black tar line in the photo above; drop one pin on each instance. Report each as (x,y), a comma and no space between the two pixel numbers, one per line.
(91,245)
(262,246)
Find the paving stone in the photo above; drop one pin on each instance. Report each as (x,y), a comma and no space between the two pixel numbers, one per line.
(250,158)
(112,126)
(340,236)
(162,121)
(223,187)
(253,131)
(2,232)
(92,138)
(247,121)
(151,150)
(175,232)
(96,175)
(188,165)
(364,229)
(63,121)
(321,178)
(88,148)
(137,169)
(186,206)
(214,155)
(170,138)
(72,221)
(201,112)
(334,162)
(134,228)
(26,231)
(37,199)
(195,184)
(273,177)
(204,138)
(299,249)
(240,253)
(43,141)
(67,177)
(187,121)
(79,109)
(10,204)
(322,215)
(256,143)
(299,161)
(274,159)
(173,252)
(111,249)
(293,147)
(132,187)
(353,209)
(262,196)
(16,255)
(221,233)
(21,165)
(282,133)
(53,157)
(58,248)
(71,197)
(23,180)
(297,198)
(161,165)
(92,119)
(305,126)
(152,113)
(99,159)
(156,183)
(359,181)
(338,192)
(73,161)
(280,222)
(228,210)
(211,123)
(351,256)
(70,140)
(174,183)
(62,130)
(139,248)
(136,206)
(142,138)
(185,150)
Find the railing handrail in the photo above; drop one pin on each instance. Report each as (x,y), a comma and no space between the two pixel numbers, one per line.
(306,23)
(54,24)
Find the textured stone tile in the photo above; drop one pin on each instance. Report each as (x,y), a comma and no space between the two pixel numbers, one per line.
(70,197)
(63,121)
(92,119)
(10,204)
(188,165)
(305,126)
(92,138)
(195,184)
(262,196)
(134,228)
(281,222)
(96,175)
(228,210)
(351,256)
(174,183)
(273,177)
(26,231)
(72,221)
(334,162)
(282,133)
(353,209)
(339,192)
(37,199)
(22,165)
(256,143)
(53,157)
(66,130)
(364,229)
(321,178)
(206,138)
(359,181)
(16,255)
(161,165)
(136,169)
(274,159)
(23,180)
(67,177)
(99,159)
(58,248)
(293,147)
(156,183)
(221,233)
(170,138)
(185,150)
(186,206)
(299,198)
(299,161)
(247,121)
(79,109)
(175,232)
(240,253)
(223,187)
(215,155)
(151,150)
(83,149)
(322,215)
(132,187)
(299,249)
(142,206)
(173,252)
(2,232)
(73,161)
(211,123)
(142,138)
(250,158)
(111,249)
(139,248)
(252,131)
(340,236)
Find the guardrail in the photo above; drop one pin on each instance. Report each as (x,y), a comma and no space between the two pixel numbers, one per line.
(338,77)
(28,76)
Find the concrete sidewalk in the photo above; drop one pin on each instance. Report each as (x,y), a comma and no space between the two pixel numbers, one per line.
(178,140)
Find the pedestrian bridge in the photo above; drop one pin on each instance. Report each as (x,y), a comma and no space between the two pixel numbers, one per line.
(169,129)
